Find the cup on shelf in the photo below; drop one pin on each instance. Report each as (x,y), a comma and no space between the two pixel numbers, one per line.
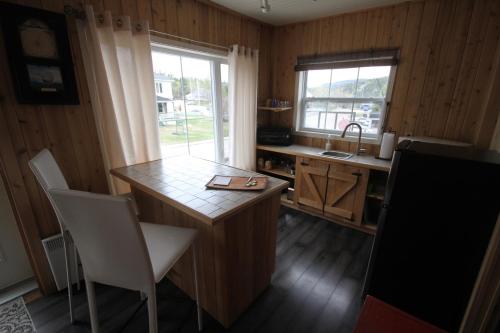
(260,163)
(268,165)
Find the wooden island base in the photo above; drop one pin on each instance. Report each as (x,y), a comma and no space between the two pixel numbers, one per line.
(236,255)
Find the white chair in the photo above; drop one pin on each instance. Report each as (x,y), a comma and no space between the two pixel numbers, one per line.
(49,175)
(116,249)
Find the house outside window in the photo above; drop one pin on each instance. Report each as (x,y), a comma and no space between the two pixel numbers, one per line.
(191,95)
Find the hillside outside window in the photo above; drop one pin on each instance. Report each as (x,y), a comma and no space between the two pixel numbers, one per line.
(337,90)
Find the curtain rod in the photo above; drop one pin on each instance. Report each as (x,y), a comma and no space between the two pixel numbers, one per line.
(190,40)
(80,14)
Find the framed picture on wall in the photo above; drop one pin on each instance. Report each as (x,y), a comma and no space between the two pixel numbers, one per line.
(37,46)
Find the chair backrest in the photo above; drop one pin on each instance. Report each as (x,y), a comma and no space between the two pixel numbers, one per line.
(108,237)
(47,172)
(49,175)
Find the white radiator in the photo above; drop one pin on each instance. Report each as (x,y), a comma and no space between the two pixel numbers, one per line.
(54,249)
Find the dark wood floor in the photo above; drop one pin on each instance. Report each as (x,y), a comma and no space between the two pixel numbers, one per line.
(316,287)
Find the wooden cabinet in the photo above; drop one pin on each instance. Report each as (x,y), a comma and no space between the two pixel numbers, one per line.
(332,189)
(346,191)
(310,183)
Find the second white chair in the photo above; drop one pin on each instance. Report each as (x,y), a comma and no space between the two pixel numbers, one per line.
(116,249)
(49,175)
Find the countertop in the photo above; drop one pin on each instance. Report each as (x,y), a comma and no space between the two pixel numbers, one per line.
(181,182)
(365,161)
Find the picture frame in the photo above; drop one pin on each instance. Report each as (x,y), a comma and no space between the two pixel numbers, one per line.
(37,46)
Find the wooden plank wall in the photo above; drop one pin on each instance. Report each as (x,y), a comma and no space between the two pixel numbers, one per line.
(445,80)
(450,53)
(70,132)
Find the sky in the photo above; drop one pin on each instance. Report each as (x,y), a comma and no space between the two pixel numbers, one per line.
(170,64)
(319,77)
(191,67)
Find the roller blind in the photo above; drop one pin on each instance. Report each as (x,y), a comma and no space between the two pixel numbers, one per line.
(368,58)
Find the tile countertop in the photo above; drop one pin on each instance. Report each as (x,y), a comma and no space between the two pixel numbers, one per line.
(180,181)
(366,161)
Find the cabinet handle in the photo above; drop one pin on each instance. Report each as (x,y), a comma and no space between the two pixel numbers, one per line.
(304,163)
(358,174)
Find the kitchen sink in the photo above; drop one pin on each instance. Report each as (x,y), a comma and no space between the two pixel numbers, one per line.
(336,154)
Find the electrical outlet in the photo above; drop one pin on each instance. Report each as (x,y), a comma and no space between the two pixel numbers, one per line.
(2,255)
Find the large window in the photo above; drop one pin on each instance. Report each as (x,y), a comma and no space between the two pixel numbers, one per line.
(191,96)
(329,99)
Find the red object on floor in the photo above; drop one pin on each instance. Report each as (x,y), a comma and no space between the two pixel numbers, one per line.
(379,317)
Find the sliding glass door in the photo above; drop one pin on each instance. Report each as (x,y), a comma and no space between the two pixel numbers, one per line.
(191,96)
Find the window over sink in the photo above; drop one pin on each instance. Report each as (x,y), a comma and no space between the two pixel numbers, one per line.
(332,93)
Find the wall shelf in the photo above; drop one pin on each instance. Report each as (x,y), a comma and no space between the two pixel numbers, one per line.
(370,226)
(278,172)
(285,202)
(275,109)
(367,228)
(378,196)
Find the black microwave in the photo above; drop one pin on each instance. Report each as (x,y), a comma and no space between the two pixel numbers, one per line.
(277,136)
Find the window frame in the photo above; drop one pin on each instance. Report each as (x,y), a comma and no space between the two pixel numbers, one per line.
(301,100)
(216,59)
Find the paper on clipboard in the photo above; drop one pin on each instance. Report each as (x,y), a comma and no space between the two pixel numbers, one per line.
(221,181)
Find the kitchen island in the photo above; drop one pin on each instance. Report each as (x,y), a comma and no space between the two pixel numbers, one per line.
(237,229)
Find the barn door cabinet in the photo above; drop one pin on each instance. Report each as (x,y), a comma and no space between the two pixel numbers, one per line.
(345,192)
(334,190)
(310,184)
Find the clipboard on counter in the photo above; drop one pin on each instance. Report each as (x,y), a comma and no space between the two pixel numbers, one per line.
(238,183)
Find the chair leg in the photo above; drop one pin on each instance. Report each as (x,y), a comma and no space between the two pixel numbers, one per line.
(77,271)
(196,291)
(152,311)
(68,276)
(94,321)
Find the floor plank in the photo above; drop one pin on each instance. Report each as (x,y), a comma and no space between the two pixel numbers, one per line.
(316,287)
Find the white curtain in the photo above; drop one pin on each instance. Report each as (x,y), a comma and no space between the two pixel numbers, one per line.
(119,70)
(243,75)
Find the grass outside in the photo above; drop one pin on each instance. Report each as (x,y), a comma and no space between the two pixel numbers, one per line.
(200,129)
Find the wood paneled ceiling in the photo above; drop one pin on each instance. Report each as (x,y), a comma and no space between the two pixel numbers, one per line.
(290,11)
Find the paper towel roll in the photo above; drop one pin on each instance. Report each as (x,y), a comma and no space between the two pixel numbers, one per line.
(387,146)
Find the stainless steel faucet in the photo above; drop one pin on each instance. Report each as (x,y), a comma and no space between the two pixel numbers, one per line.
(359,150)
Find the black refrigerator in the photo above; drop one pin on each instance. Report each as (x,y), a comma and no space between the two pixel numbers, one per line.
(440,207)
